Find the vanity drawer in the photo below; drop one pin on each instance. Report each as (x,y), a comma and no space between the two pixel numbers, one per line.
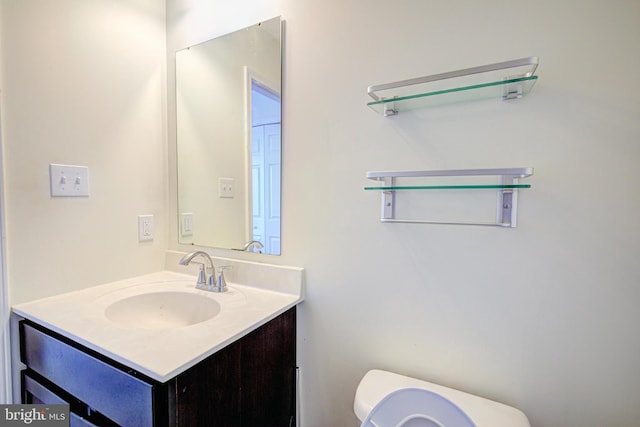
(127,400)
(37,393)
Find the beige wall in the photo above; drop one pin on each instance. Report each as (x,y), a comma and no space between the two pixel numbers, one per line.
(83,83)
(542,317)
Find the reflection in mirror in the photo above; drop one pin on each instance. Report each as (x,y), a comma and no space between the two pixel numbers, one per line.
(228,94)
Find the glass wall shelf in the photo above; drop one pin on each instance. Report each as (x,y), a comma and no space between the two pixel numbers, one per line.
(507,189)
(450,187)
(504,80)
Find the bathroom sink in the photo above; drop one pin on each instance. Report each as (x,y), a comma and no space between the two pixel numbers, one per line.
(162,310)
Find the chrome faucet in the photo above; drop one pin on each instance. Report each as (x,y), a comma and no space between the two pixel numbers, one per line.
(206,277)
(253,244)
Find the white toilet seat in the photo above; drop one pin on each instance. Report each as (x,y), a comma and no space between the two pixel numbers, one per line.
(406,408)
(377,385)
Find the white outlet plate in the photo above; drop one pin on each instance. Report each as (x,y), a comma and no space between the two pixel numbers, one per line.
(145,227)
(226,188)
(69,180)
(186,224)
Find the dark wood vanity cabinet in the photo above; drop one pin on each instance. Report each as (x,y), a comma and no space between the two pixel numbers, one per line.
(249,383)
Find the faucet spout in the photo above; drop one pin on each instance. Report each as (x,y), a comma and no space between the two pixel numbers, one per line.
(253,244)
(208,277)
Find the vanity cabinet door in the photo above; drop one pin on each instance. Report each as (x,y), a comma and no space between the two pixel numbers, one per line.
(210,392)
(249,383)
(268,363)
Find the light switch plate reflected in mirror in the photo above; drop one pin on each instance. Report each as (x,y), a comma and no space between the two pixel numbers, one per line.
(186,224)
(226,188)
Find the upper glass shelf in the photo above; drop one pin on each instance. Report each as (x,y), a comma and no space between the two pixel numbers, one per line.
(505,80)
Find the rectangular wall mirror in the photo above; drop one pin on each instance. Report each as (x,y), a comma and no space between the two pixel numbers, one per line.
(228,94)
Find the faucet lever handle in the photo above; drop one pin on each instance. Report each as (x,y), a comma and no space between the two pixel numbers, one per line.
(222,268)
(202,276)
(221,283)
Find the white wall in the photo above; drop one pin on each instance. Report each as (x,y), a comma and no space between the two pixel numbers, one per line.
(543,317)
(83,83)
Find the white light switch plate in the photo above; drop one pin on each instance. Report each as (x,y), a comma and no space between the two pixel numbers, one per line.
(69,180)
(226,188)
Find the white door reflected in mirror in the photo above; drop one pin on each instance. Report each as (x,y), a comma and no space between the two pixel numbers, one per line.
(265,165)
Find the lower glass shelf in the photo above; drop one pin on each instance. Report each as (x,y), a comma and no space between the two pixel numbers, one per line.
(507,191)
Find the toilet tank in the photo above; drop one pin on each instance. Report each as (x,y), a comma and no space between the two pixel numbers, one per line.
(377,384)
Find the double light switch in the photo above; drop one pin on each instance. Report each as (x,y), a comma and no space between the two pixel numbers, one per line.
(69,181)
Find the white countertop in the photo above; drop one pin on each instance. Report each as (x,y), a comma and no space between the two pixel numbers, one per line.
(158,353)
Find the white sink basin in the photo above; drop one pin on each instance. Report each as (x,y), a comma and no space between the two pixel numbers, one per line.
(162,310)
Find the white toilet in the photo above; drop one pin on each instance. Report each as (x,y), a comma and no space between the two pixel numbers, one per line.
(385,399)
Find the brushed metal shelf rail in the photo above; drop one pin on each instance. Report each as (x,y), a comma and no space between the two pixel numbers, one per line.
(518,172)
(507,202)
